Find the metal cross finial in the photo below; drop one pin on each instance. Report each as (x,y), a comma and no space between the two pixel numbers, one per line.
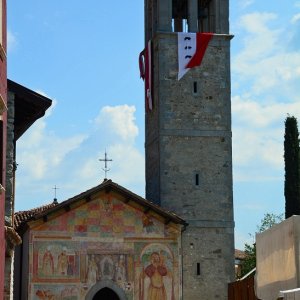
(55,189)
(105,169)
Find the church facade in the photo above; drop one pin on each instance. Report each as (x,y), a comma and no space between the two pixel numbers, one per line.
(106,243)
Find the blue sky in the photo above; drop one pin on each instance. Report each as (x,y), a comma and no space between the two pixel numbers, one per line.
(85,59)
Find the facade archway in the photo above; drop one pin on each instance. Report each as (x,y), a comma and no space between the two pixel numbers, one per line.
(104,289)
(106,293)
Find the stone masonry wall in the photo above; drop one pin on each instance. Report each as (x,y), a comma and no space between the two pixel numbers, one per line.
(9,198)
(189,133)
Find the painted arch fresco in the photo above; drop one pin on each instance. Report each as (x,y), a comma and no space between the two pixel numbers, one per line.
(104,240)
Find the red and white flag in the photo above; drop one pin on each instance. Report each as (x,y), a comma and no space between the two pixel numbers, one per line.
(146,74)
(191,49)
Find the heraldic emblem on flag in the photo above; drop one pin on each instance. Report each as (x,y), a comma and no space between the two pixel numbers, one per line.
(146,74)
(191,49)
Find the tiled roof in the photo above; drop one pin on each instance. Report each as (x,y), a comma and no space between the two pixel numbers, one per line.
(239,254)
(21,217)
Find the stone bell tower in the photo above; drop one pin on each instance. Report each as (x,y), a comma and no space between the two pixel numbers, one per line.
(188,140)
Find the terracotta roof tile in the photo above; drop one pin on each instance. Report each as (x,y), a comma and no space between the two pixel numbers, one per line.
(239,254)
(21,217)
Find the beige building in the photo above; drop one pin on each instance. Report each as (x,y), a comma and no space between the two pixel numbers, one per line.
(278,260)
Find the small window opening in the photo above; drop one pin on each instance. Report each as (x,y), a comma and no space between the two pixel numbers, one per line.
(195,87)
(197,179)
(179,25)
(198,269)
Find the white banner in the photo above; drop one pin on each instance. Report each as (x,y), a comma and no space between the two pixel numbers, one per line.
(186,50)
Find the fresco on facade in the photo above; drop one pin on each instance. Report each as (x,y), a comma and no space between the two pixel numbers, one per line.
(55,292)
(151,270)
(104,239)
(157,275)
(105,217)
(55,260)
(115,267)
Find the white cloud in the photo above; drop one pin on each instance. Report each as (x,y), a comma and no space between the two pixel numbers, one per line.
(88,169)
(129,164)
(265,63)
(297,4)
(116,125)
(255,114)
(266,74)
(258,135)
(120,120)
(276,71)
(45,148)
(126,168)
(45,158)
(295,18)
(39,151)
(258,39)
(255,149)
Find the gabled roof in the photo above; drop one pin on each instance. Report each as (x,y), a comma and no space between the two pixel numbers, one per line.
(22,218)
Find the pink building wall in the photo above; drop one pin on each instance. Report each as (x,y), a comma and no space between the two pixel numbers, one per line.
(3,93)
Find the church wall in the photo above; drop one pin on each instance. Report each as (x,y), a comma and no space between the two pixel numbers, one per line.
(215,246)
(103,239)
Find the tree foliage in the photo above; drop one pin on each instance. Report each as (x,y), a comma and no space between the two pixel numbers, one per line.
(249,263)
(268,221)
(291,159)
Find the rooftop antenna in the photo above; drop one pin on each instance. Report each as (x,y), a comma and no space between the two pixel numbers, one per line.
(105,169)
(55,199)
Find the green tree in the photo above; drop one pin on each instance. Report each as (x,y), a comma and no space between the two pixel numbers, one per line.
(268,221)
(249,263)
(291,159)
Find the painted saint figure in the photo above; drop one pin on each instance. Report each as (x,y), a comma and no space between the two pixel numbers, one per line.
(107,267)
(62,262)
(71,265)
(48,264)
(120,273)
(92,272)
(156,271)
